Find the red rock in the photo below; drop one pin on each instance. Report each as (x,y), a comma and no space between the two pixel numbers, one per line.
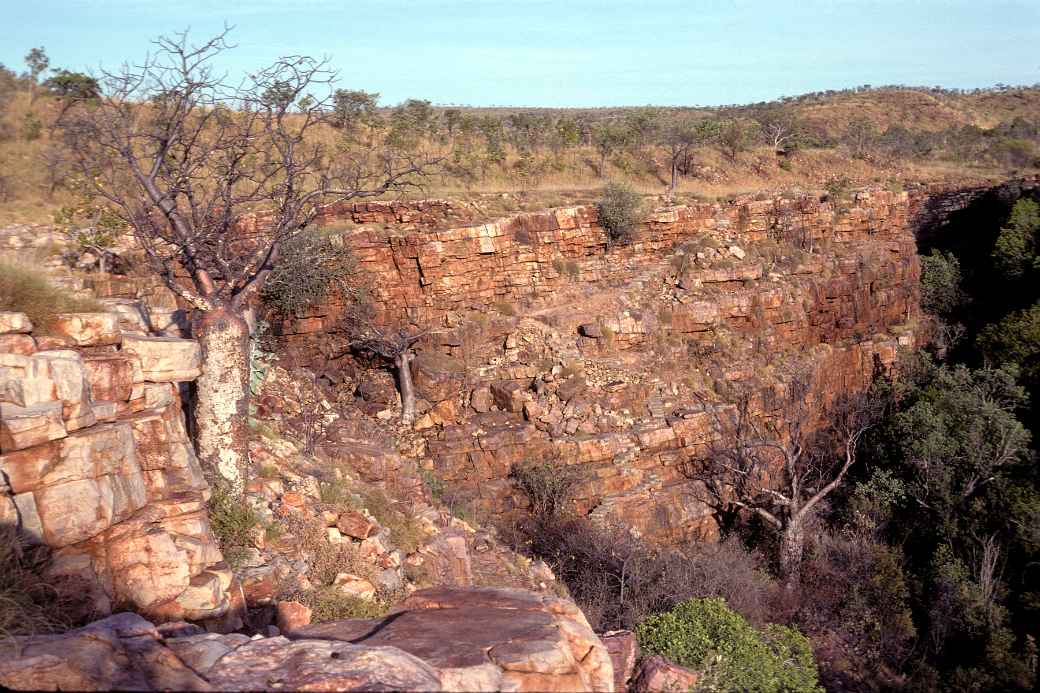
(291,615)
(354,524)
(624,651)
(657,675)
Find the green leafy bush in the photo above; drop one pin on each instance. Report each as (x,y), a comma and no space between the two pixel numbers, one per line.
(620,210)
(940,283)
(309,266)
(708,636)
(25,290)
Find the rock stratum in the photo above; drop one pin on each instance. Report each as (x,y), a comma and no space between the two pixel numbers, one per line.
(546,341)
(96,463)
(438,639)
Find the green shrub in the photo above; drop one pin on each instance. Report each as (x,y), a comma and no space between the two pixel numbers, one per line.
(405,531)
(24,290)
(232,521)
(940,283)
(309,266)
(708,636)
(620,210)
(330,604)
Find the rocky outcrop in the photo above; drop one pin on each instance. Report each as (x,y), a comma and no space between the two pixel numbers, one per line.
(442,639)
(548,343)
(96,464)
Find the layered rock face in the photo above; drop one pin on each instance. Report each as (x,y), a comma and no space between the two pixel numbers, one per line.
(96,463)
(438,639)
(549,344)
(434,277)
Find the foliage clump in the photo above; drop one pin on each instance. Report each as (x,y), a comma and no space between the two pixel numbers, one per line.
(940,283)
(310,265)
(708,636)
(620,209)
(232,521)
(24,290)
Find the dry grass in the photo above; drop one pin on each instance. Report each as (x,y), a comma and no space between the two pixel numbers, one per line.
(570,176)
(25,290)
(30,602)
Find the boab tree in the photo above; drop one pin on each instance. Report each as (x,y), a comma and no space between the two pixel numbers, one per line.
(184,156)
(780,467)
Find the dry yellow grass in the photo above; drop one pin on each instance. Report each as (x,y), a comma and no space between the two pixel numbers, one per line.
(571,177)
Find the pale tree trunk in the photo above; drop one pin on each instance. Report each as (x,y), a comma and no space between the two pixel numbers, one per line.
(792,547)
(222,394)
(675,176)
(404,381)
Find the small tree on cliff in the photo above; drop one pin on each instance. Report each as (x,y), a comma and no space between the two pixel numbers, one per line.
(184,157)
(780,467)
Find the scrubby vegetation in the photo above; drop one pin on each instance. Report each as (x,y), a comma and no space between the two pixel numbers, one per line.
(310,266)
(865,133)
(30,600)
(708,636)
(26,290)
(620,211)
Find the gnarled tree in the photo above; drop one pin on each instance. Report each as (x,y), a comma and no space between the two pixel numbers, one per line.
(780,466)
(212,177)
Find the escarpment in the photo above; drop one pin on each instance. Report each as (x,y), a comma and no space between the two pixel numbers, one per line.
(546,341)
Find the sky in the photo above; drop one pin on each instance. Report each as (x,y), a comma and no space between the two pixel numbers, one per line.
(559,53)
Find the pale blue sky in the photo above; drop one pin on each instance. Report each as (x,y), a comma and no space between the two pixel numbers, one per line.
(568,52)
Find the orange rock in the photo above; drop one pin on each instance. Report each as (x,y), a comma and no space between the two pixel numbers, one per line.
(291,615)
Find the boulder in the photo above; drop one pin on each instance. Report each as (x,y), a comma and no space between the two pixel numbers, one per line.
(624,651)
(274,664)
(657,675)
(123,652)
(481,400)
(86,329)
(437,377)
(23,427)
(354,524)
(291,615)
(487,639)
(14,323)
(355,586)
(508,395)
(165,359)
(21,344)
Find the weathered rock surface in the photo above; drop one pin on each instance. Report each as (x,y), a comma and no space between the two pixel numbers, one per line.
(439,639)
(98,465)
(657,675)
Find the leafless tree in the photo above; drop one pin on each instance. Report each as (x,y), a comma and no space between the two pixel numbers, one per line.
(780,466)
(392,345)
(185,157)
(779,128)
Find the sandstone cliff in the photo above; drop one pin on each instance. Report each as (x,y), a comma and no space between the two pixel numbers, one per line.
(96,463)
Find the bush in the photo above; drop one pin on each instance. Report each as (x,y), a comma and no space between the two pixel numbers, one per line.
(330,604)
(24,290)
(708,636)
(620,210)
(232,521)
(309,266)
(940,283)
(548,487)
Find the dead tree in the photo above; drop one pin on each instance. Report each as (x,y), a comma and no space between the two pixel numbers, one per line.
(184,156)
(781,467)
